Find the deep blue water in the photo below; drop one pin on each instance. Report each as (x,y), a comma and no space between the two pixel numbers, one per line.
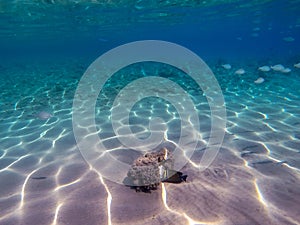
(239,29)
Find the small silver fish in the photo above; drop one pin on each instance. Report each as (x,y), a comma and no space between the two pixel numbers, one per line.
(226,66)
(286,70)
(264,68)
(240,72)
(259,80)
(277,67)
(297,65)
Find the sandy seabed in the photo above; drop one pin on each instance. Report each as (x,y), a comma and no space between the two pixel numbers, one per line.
(44,179)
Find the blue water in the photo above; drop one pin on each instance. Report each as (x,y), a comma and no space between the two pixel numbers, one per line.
(222,30)
(47,46)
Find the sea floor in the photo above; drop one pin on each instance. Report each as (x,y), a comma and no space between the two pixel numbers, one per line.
(44,179)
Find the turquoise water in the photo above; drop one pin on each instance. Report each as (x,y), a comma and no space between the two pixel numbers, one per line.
(47,46)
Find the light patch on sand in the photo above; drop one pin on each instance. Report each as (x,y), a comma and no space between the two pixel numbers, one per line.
(14,162)
(246,163)
(270,207)
(56,214)
(279,161)
(108,200)
(23,188)
(291,167)
(189,219)
(164,198)
(194,222)
(6,150)
(59,137)
(268,125)
(264,115)
(177,146)
(66,185)
(194,164)
(260,197)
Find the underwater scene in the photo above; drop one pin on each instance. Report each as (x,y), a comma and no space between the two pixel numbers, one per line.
(144,112)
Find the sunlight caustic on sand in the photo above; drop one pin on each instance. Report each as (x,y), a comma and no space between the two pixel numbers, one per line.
(56,214)
(189,219)
(259,194)
(23,188)
(108,200)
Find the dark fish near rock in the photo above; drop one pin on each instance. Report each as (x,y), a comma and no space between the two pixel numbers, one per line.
(174,176)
